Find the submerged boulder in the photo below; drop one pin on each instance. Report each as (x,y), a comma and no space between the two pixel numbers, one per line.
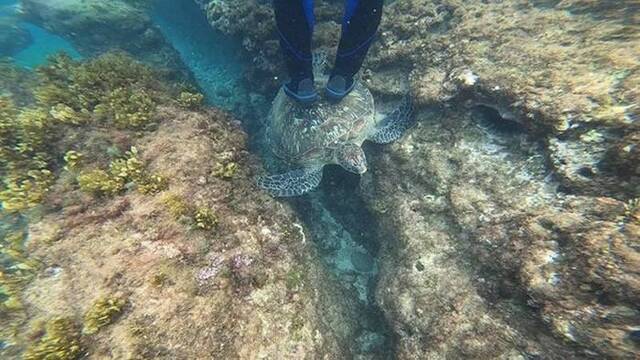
(567,76)
(97,26)
(132,228)
(13,38)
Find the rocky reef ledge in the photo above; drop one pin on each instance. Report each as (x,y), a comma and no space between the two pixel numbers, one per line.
(145,236)
(240,283)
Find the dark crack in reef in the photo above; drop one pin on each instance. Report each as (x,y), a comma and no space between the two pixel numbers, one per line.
(348,241)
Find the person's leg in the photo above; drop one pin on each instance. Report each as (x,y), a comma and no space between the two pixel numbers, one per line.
(295,21)
(359,27)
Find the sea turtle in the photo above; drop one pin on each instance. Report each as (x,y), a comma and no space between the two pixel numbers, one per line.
(308,137)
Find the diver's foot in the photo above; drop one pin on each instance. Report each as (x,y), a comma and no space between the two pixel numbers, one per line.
(302,91)
(338,87)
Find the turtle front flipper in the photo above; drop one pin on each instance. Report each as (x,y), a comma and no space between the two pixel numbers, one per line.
(292,183)
(395,124)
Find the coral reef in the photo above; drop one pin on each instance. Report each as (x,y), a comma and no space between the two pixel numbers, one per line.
(189,100)
(508,213)
(15,83)
(70,95)
(189,293)
(473,53)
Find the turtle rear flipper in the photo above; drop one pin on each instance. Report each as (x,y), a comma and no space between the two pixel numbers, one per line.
(396,123)
(292,183)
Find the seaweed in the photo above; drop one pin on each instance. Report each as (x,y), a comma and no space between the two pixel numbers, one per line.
(190,100)
(205,219)
(120,173)
(103,312)
(112,90)
(225,171)
(62,341)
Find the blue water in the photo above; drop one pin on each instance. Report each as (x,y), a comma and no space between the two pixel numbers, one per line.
(213,58)
(44,42)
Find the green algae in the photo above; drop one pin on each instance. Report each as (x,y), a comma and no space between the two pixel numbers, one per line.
(200,217)
(121,172)
(62,341)
(295,279)
(190,100)
(112,90)
(225,171)
(103,312)
(176,205)
(17,269)
(72,160)
(205,219)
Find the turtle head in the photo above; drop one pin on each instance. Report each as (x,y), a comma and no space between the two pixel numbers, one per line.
(351,157)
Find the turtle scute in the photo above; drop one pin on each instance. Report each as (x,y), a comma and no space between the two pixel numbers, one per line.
(306,135)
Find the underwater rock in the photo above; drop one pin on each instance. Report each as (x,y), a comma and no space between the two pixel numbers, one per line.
(13,38)
(488,260)
(561,74)
(262,293)
(566,77)
(499,243)
(15,82)
(95,27)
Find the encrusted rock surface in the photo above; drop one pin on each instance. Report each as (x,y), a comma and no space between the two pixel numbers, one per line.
(251,287)
(483,257)
(567,70)
(510,214)
(569,76)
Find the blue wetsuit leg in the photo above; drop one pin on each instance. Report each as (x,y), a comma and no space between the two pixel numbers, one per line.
(359,27)
(295,21)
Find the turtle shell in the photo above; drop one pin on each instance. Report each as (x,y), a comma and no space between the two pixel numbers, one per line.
(307,135)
